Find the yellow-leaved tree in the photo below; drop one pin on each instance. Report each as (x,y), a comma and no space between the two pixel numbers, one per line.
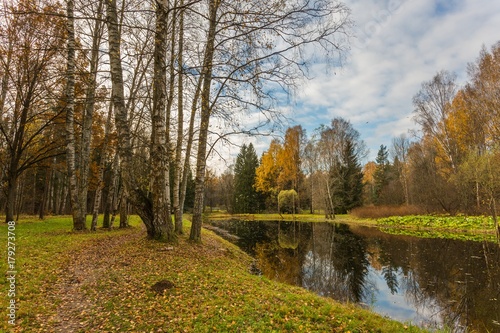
(266,175)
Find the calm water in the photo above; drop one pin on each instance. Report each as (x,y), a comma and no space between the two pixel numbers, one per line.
(430,282)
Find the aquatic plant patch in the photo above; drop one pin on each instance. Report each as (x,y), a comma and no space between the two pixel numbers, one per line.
(479,223)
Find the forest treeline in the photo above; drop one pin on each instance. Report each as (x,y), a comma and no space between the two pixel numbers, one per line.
(451,165)
(115,105)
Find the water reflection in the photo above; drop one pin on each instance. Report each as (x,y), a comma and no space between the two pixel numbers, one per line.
(431,282)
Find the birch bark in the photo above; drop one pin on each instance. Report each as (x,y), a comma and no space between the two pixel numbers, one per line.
(78,222)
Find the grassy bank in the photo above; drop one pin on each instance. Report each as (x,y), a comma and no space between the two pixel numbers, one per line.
(475,228)
(102,282)
(340,218)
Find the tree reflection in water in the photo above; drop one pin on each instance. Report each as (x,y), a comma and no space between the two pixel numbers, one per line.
(336,264)
(431,282)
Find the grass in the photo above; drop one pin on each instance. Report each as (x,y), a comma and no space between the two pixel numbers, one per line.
(213,289)
(465,223)
(476,228)
(42,249)
(303,217)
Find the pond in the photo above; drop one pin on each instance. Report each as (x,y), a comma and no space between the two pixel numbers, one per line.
(433,283)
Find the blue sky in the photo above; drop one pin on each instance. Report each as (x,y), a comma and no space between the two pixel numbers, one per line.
(399,44)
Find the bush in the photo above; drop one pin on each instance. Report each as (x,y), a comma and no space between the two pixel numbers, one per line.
(376,212)
(288,201)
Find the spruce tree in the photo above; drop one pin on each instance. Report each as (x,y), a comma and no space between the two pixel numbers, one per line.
(245,198)
(381,174)
(348,185)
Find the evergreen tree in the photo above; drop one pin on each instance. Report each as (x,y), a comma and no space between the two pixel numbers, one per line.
(246,198)
(189,201)
(381,174)
(348,183)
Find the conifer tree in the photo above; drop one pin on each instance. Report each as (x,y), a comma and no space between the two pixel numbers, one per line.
(245,198)
(348,188)
(381,175)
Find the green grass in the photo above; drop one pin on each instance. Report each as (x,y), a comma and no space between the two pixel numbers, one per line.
(304,217)
(214,292)
(42,249)
(476,228)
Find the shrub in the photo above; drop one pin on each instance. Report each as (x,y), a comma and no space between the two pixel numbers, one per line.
(376,212)
(288,201)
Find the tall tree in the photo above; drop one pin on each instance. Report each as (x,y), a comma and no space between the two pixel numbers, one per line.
(162,220)
(433,105)
(429,187)
(206,110)
(30,49)
(483,95)
(245,197)
(78,219)
(259,45)
(400,147)
(267,174)
(88,116)
(381,175)
(337,143)
(290,158)
(177,177)
(348,187)
(311,155)
(368,182)
(131,187)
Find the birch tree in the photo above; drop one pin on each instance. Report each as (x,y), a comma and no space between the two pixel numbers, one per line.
(432,108)
(162,221)
(177,182)
(78,219)
(152,204)
(400,147)
(201,159)
(252,49)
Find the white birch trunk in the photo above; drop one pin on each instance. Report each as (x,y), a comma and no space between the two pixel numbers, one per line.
(78,223)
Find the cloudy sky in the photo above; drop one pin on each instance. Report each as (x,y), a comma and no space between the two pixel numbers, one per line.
(398,45)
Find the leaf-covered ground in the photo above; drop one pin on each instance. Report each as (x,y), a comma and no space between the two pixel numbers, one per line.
(102,282)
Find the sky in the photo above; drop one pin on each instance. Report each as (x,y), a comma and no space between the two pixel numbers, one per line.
(399,44)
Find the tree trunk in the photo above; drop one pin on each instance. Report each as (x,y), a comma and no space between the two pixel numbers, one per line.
(123,212)
(45,195)
(162,227)
(78,222)
(11,198)
(19,199)
(114,192)
(87,119)
(140,200)
(180,129)
(195,234)
(189,146)
(102,167)
(4,86)
(330,213)
(64,196)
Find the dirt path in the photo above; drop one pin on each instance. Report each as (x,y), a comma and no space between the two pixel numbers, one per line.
(82,272)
